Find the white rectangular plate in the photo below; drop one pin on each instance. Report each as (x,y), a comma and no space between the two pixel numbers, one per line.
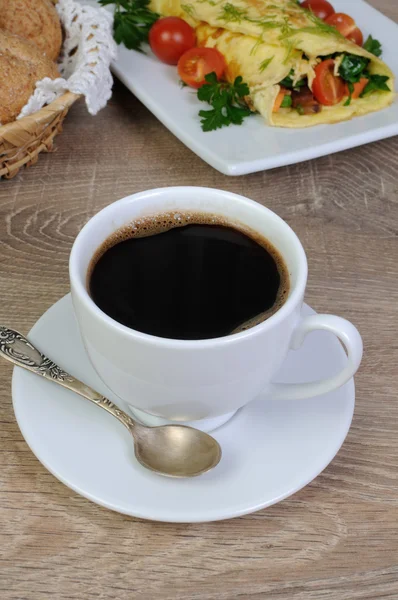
(254,146)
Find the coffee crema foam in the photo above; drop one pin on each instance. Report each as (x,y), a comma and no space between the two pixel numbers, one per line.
(157,224)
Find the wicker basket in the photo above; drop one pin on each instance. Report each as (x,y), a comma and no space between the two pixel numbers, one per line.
(88,50)
(22,141)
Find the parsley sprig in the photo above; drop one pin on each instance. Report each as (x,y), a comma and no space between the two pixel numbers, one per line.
(373,46)
(132,22)
(227,100)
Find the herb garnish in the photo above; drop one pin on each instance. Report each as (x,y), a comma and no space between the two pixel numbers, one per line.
(265,24)
(231,14)
(256,46)
(226,100)
(319,27)
(265,63)
(132,22)
(289,50)
(373,46)
(189,9)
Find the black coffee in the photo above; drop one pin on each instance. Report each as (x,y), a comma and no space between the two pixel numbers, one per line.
(187,277)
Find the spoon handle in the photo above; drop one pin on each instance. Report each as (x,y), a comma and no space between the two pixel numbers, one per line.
(15,348)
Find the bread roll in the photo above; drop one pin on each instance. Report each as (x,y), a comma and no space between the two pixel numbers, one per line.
(34,20)
(22,64)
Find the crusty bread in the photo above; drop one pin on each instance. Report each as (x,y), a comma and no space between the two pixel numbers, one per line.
(34,20)
(22,64)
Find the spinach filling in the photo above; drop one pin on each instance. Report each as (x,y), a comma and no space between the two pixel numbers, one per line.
(354,68)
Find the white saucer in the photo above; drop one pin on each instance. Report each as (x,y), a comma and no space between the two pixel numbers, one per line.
(270,449)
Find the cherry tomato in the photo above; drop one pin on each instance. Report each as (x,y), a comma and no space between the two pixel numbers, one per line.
(358,88)
(347,27)
(198,62)
(321,8)
(170,37)
(327,88)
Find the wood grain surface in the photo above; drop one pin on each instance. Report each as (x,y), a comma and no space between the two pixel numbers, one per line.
(337,539)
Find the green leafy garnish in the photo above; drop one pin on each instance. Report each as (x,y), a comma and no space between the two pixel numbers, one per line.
(352,67)
(373,46)
(226,100)
(376,82)
(265,24)
(289,50)
(132,22)
(256,46)
(287,102)
(265,64)
(286,29)
(189,9)
(319,27)
(231,14)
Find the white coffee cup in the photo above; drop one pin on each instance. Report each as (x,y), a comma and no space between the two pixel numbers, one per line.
(190,381)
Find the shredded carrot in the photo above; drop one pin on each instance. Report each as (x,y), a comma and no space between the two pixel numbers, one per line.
(279,100)
(358,88)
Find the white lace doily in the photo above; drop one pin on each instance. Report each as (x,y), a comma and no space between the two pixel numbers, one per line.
(84,64)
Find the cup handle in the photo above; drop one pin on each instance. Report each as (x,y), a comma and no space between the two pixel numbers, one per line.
(352,341)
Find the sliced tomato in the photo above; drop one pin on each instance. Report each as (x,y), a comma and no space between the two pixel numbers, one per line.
(327,88)
(170,37)
(347,27)
(321,8)
(358,88)
(198,62)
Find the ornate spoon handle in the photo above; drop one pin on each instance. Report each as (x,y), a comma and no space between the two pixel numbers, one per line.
(15,348)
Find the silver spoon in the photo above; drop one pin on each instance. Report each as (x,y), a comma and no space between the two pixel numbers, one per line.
(171,450)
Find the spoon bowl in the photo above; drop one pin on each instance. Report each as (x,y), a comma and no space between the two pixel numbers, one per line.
(176,450)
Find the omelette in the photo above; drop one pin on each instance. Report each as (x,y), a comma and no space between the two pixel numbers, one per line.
(275,46)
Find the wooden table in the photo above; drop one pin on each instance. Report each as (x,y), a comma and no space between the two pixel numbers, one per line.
(337,539)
